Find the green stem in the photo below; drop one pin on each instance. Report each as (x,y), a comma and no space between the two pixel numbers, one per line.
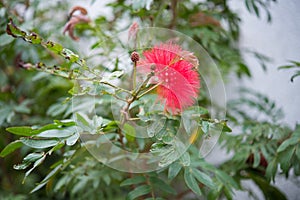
(115,87)
(150,89)
(134,75)
(116,96)
(143,85)
(152,188)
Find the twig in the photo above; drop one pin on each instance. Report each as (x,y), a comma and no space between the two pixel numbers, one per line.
(150,89)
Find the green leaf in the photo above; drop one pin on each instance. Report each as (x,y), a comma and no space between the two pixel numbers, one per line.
(139,191)
(269,191)
(83,122)
(185,159)
(256,10)
(39,144)
(21,166)
(297,152)
(5,39)
(161,185)
(79,185)
(11,147)
(57,109)
(248,5)
(174,169)
(286,67)
(114,75)
(57,133)
(46,179)
(65,123)
(190,117)
(205,126)
(57,147)
(34,38)
(155,127)
(296,63)
(22,108)
(45,128)
(55,47)
(168,136)
(191,181)
(265,153)
(256,158)
(106,179)
(289,142)
(62,182)
(226,179)
(295,75)
(168,153)
(129,132)
(21,130)
(5,111)
(139,4)
(36,163)
(39,186)
(133,181)
(13,30)
(198,110)
(285,159)
(69,55)
(271,170)
(111,126)
(226,128)
(203,178)
(70,141)
(30,158)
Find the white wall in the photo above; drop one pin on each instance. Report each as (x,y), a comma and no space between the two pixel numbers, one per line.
(279,40)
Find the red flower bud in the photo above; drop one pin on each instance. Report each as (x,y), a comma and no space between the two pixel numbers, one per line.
(135,56)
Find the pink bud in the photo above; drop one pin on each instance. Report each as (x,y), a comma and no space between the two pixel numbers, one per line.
(133,30)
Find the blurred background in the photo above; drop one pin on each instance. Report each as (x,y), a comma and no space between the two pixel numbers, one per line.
(280,41)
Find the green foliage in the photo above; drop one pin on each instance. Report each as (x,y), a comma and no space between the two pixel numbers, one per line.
(50,152)
(263,145)
(11,147)
(293,65)
(255,6)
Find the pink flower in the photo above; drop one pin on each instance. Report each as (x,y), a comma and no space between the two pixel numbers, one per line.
(175,73)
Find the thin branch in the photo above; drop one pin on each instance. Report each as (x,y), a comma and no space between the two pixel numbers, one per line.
(150,89)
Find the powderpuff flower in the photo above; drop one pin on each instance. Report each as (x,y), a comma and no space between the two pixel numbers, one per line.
(174,70)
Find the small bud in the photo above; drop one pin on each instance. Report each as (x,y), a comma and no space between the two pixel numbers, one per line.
(133,30)
(135,56)
(152,67)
